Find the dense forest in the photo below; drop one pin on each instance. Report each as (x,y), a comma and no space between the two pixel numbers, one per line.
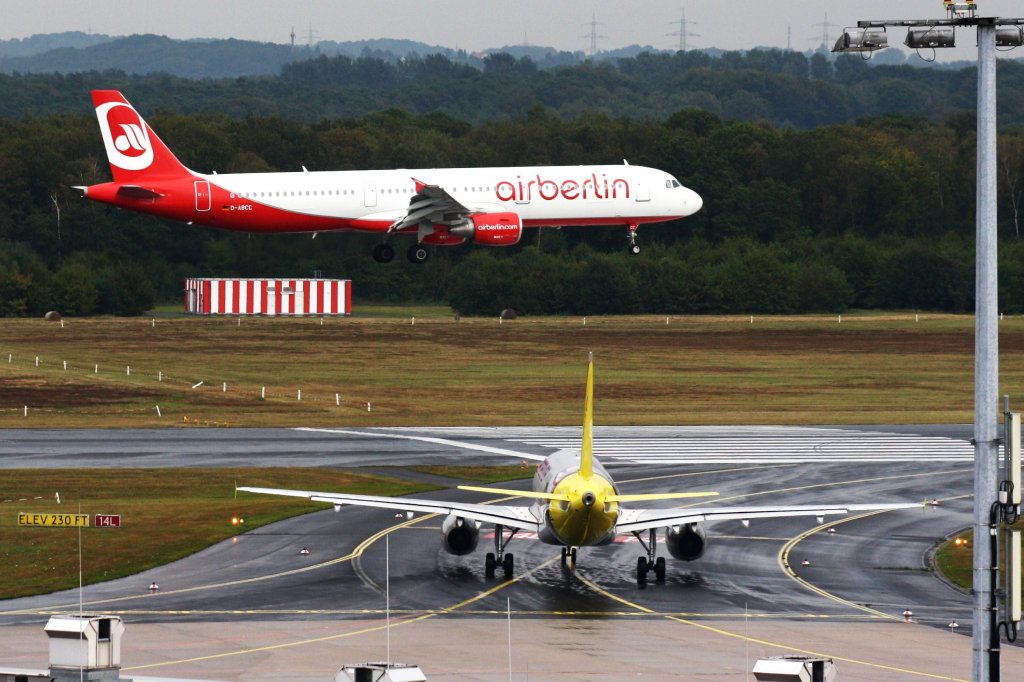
(806,209)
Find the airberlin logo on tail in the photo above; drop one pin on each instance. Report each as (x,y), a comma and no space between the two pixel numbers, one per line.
(125,136)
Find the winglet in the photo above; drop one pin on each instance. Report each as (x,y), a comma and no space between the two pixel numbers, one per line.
(587,446)
(419,184)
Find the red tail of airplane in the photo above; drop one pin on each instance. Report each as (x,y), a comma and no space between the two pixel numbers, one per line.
(133,149)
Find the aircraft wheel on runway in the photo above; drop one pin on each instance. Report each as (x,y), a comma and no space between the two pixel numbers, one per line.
(659,569)
(507,564)
(572,556)
(565,552)
(641,570)
(489,565)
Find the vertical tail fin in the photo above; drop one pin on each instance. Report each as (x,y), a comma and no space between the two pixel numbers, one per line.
(587,447)
(133,149)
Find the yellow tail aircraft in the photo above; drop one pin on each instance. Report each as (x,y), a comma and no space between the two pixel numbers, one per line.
(576,504)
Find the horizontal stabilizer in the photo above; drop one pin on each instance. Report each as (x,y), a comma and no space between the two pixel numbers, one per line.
(137,192)
(518,493)
(648,497)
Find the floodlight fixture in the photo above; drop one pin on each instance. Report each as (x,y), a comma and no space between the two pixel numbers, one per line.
(862,40)
(1009,36)
(930,36)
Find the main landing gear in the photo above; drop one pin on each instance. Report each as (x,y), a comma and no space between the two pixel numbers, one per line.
(383,253)
(417,253)
(634,246)
(646,564)
(499,557)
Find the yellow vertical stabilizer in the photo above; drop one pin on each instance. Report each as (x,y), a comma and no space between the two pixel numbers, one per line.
(586,447)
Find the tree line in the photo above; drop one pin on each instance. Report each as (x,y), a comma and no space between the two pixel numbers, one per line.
(783,87)
(878,213)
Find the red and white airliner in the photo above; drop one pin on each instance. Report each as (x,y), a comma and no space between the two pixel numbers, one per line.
(441,207)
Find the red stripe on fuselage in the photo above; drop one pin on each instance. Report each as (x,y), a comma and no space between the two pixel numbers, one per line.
(232,212)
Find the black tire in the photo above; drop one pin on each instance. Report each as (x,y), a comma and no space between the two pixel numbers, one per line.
(383,253)
(508,564)
(641,570)
(565,552)
(417,253)
(572,555)
(659,569)
(489,565)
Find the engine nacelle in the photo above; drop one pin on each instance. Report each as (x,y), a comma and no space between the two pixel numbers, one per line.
(460,535)
(491,229)
(686,542)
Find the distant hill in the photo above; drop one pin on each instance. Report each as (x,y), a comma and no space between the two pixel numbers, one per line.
(143,54)
(37,44)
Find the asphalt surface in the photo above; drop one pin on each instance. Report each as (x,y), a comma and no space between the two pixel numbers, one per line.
(867,571)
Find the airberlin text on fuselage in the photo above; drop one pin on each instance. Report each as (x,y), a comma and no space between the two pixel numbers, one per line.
(548,190)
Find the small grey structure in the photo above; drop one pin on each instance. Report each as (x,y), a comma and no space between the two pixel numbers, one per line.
(795,669)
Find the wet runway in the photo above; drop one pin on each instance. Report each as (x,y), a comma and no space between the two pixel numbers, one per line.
(868,570)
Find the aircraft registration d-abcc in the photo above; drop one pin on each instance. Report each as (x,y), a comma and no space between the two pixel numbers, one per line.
(577,504)
(438,206)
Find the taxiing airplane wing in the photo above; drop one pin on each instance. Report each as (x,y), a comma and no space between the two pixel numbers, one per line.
(632,520)
(505,515)
(433,204)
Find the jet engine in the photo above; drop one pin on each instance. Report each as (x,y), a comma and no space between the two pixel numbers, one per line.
(460,535)
(491,229)
(686,542)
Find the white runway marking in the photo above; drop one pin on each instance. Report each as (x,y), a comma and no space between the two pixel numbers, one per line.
(769,445)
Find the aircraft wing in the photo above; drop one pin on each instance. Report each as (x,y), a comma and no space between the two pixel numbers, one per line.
(433,204)
(631,520)
(506,515)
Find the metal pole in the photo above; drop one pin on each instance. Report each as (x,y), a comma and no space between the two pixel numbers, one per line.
(986,358)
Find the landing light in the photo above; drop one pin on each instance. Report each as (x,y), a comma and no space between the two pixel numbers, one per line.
(930,36)
(960,542)
(862,40)
(1009,36)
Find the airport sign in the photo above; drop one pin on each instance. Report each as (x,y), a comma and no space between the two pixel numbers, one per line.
(107,521)
(65,520)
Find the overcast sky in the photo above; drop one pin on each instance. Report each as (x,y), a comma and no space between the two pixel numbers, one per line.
(479,24)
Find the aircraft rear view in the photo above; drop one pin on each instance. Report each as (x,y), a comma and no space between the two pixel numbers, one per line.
(576,503)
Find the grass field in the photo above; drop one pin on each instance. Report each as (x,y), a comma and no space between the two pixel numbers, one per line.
(166,514)
(436,371)
(419,366)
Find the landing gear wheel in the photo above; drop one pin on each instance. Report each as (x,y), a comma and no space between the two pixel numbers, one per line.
(507,564)
(634,247)
(565,553)
(572,556)
(383,253)
(641,570)
(489,565)
(417,253)
(659,569)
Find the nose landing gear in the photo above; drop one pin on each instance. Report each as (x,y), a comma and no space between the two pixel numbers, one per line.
(634,246)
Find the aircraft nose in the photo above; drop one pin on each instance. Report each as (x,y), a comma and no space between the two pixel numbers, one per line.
(691,202)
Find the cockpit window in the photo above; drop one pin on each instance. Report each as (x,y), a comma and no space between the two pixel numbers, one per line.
(675,183)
